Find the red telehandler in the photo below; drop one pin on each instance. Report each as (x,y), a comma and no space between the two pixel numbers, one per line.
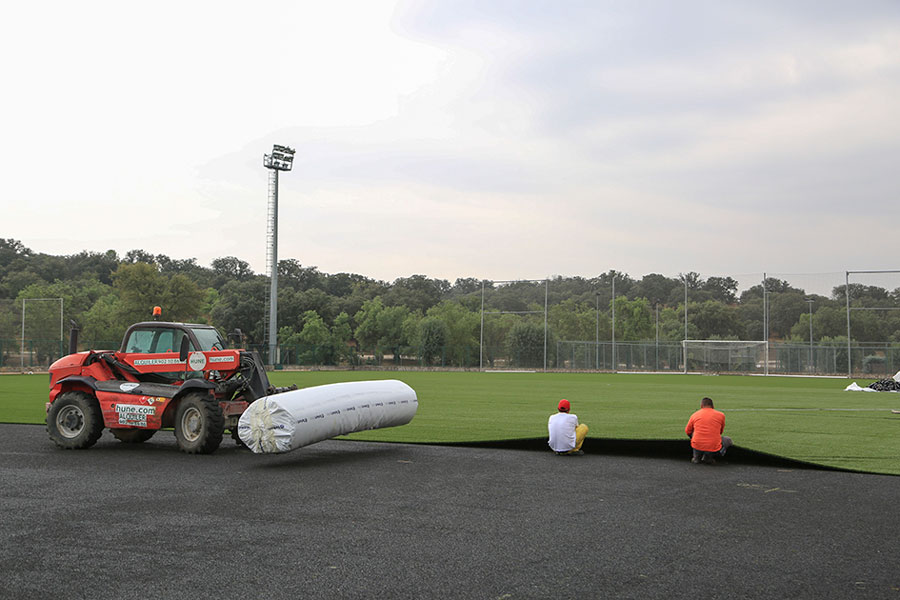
(176,375)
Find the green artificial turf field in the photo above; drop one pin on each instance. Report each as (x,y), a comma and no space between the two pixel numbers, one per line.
(812,420)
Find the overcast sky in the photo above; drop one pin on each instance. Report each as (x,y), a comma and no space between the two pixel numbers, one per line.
(463,138)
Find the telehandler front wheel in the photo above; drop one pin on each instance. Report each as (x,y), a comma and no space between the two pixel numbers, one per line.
(237,439)
(74,421)
(199,424)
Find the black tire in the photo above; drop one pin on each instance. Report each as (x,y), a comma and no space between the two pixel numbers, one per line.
(74,421)
(237,439)
(133,436)
(199,424)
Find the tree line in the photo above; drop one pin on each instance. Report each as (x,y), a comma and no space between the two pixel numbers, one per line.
(332,318)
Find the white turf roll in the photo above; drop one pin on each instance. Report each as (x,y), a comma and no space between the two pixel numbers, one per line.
(291,420)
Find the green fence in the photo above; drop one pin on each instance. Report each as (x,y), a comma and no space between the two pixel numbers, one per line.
(869,360)
(30,356)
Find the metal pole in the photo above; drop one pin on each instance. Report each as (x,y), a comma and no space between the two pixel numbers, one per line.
(273,299)
(810,302)
(546,295)
(847,296)
(481,343)
(657,336)
(766,323)
(684,344)
(597,335)
(22,355)
(614,365)
(61,341)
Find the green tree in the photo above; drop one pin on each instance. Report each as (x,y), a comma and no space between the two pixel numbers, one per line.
(714,320)
(496,334)
(340,285)
(785,309)
(416,292)
(634,320)
(140,287)
(295,276)
(342,334)
(100,324)
(721,289)
(658,289)
(390,327)
(381,327)
(90,265)
(137,255)
(464,286)
(432,336)
(362,292)
(752,315)
(773,286)
(671,325)
(367,332)
(526,344)
(182,298)
(830,322)
(293,304)
(317,340)
(462,332)
(241,305)
(571,320)
(230,268)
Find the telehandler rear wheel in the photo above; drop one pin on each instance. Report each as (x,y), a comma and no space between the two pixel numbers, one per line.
(74,421)
(199,424)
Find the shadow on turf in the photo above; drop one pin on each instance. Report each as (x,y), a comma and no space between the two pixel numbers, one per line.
(672,449)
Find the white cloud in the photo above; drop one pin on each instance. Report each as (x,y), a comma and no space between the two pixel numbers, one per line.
(476,139)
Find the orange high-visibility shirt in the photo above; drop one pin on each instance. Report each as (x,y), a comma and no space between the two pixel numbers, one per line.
(705,428)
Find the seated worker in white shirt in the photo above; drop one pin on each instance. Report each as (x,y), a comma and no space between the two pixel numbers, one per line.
(566,435)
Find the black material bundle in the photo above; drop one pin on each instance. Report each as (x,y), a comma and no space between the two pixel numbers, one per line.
(886,385)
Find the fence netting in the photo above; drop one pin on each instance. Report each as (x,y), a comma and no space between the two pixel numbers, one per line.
(839,323)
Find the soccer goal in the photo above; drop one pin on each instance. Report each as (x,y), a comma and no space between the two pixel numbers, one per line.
(31,332)
(725,356)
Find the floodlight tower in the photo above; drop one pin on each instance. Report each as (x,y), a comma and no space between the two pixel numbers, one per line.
(281,159)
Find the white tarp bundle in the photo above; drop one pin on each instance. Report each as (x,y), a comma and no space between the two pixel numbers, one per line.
(291,420)
(855,387)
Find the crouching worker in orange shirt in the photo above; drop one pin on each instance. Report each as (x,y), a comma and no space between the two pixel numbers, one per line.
(705,429)
(566,435)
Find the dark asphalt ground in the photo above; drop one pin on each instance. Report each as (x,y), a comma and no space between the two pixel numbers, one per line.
(346,519)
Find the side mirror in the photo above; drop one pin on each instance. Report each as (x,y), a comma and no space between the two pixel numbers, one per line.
(183,351)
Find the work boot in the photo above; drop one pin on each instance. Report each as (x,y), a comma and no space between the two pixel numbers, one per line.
(709,460)
(695,461)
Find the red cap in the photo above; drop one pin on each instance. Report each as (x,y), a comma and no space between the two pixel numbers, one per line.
(564,405)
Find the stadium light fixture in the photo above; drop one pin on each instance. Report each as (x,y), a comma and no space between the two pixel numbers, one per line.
(281,159)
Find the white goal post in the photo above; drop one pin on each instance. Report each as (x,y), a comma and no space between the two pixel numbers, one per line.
(728,356)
